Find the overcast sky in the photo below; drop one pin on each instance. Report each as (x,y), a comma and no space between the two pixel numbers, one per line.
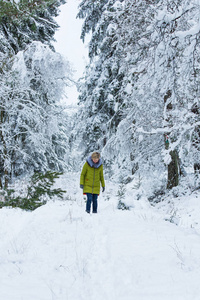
(69,43)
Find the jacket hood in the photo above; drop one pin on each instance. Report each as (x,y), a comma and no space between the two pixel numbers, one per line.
(92,164)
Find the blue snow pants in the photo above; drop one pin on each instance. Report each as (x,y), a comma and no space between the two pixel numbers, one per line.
(91,198)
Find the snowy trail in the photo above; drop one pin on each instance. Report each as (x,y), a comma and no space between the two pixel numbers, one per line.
(59,252)
(146,260)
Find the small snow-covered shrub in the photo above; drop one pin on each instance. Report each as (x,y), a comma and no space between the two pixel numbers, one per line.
(121,195)
(39,190)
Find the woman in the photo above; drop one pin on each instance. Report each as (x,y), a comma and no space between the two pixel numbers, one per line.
(91,177)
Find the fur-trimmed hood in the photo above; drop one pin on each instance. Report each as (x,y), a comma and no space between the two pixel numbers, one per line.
(92,164)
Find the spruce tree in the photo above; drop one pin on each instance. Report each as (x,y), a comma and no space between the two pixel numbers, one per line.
(26,21)
(33,78)
(142,84)
(33,126)
(100,95)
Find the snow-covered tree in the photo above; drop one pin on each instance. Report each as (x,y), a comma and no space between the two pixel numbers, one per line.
(33,127)
(33,77)
(177,67)
(103,77)
(24,21)
(139,99)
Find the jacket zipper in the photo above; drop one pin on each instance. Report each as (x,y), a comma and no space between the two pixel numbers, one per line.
(93,181)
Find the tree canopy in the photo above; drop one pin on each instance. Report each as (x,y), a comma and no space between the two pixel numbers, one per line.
(140,89)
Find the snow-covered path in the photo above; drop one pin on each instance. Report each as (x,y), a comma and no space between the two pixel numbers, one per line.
(139,257)
(58,252)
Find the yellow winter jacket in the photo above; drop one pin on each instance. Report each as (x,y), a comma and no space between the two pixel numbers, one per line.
(92,176)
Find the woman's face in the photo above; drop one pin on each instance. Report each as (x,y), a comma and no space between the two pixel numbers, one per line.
(95,160)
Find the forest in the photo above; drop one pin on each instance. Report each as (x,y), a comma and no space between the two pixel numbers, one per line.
(138,99)
(138,106)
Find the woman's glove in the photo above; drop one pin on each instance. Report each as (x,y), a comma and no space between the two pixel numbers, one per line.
(103,189)
(81,186)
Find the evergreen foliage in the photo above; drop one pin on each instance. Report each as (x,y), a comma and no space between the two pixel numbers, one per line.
(121,196)
(25,21)
(33,78)
(33,128)
(38,191)
(101,95)
(142,84)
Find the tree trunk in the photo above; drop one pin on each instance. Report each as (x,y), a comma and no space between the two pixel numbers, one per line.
(173,167)
(5,171)
(173,170)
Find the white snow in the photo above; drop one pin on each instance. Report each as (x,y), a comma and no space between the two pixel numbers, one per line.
(60,252)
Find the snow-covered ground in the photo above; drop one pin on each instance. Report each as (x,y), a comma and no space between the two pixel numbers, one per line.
(59,252)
